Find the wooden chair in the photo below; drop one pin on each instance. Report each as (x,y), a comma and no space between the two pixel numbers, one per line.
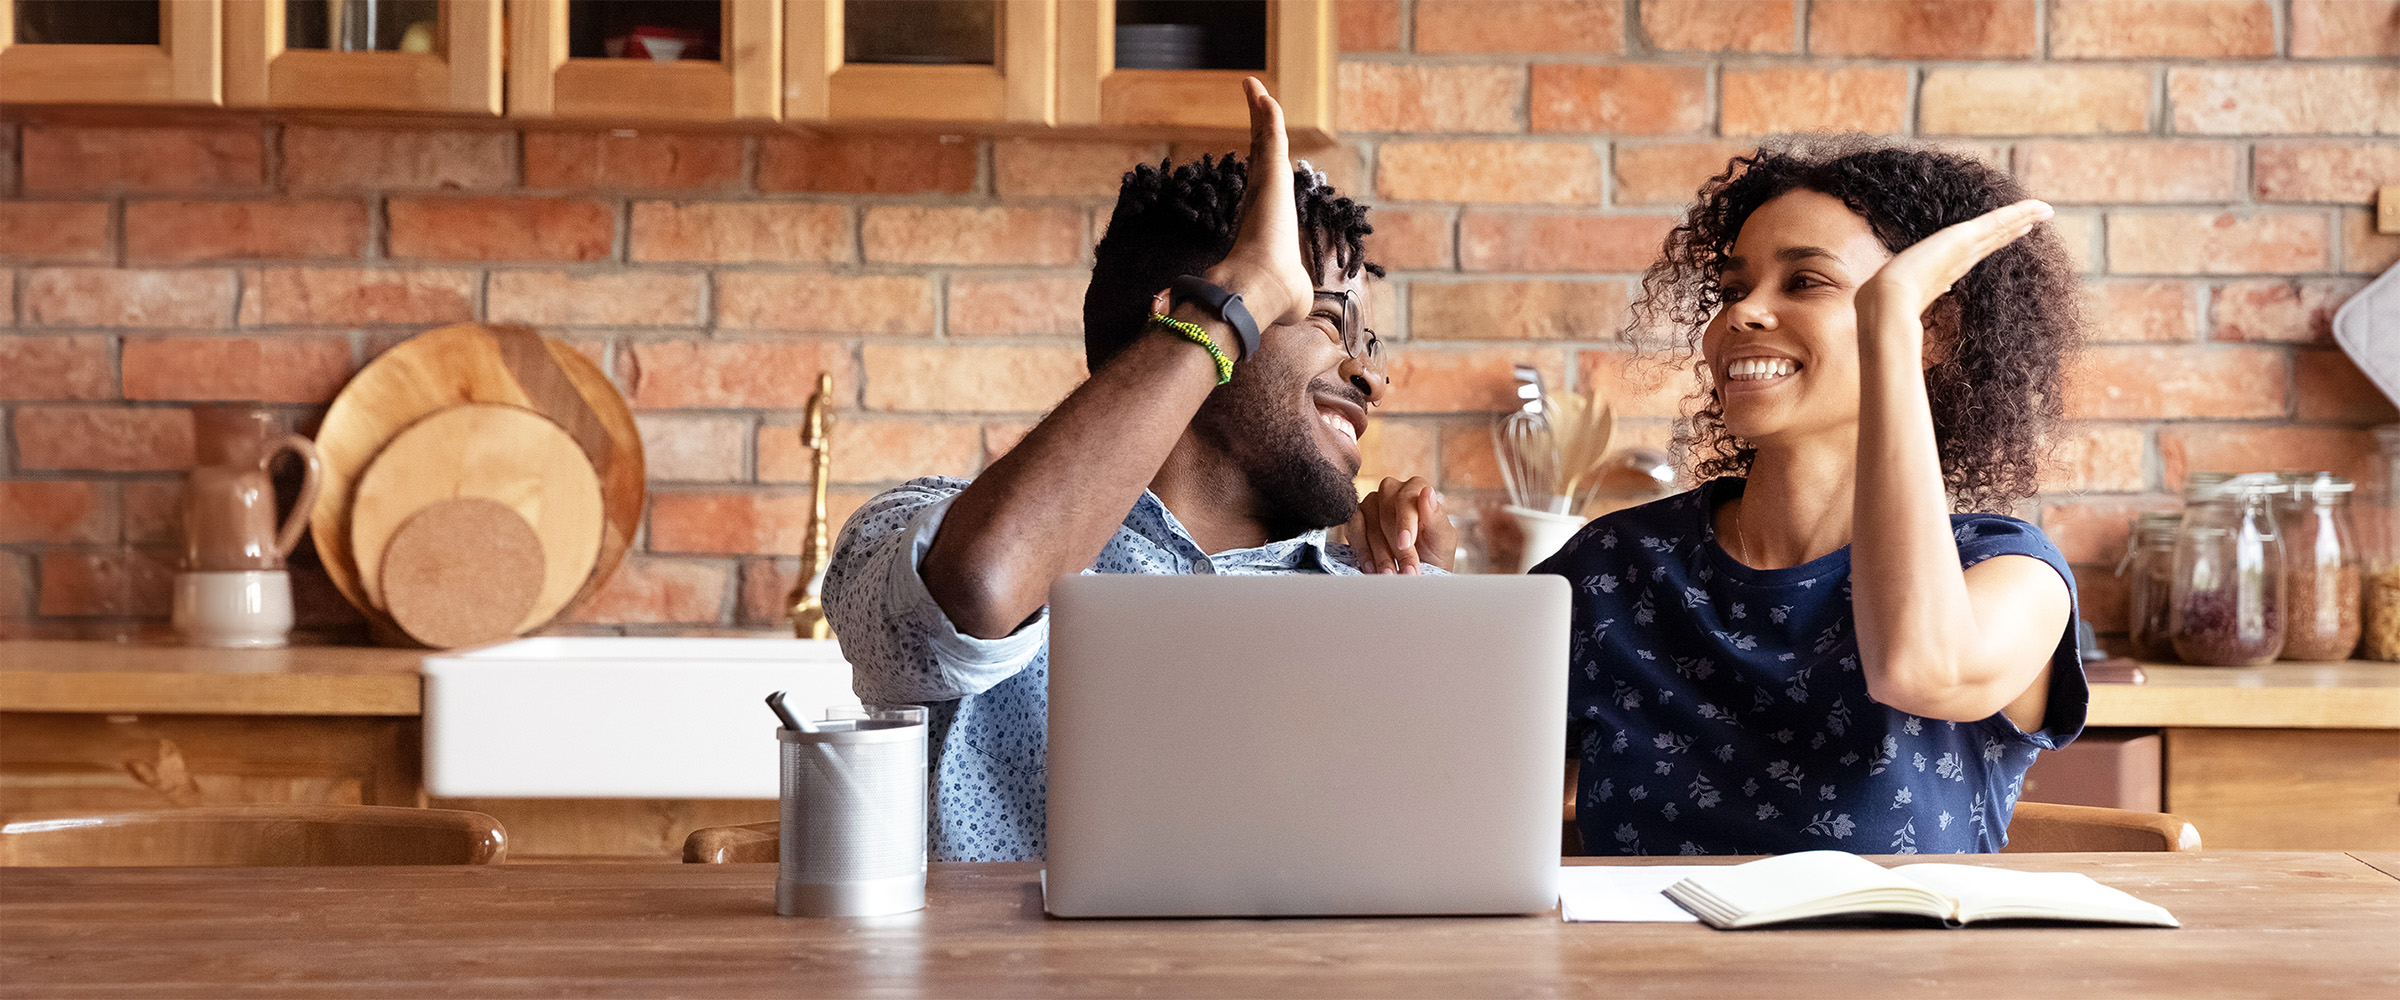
(260,835)
(748,843)
(2050,828)
(2036,828)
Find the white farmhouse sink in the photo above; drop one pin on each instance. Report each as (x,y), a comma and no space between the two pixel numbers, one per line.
(620,717)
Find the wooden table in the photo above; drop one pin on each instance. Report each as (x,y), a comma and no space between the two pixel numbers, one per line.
(2254,924)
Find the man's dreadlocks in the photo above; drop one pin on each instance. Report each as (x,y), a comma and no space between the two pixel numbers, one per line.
(1171,221)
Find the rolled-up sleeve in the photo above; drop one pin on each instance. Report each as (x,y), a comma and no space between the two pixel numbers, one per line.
(901,646)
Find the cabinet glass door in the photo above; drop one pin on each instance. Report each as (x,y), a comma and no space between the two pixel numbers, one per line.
(674,60)
(1180,62)
(386,55)
(961,61)
(111,51)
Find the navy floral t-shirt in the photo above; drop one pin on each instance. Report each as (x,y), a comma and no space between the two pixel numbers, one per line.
(1720,709)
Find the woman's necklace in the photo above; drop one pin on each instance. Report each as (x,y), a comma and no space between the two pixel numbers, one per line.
(1735,515)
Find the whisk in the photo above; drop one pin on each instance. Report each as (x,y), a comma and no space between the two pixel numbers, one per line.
(1528,455)
(1522,441)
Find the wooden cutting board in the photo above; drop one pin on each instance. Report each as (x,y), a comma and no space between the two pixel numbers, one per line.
(476,363)
(502,453)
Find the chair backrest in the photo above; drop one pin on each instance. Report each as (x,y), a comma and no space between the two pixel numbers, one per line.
(256,835)
(2051,828)
(748,843)
(1570,837)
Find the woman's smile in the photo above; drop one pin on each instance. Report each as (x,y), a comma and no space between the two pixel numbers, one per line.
(1760,368)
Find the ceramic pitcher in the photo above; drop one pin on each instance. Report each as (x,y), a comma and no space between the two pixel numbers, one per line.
(229,521)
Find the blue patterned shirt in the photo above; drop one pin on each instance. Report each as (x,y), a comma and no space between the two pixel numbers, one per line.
(989,699)
(1721,708)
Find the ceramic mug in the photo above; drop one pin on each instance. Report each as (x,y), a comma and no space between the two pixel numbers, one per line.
(238,608)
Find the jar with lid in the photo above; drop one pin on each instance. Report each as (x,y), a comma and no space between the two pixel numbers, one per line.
(2320,567)
(2149,569)
(2226,603)
(2381,639)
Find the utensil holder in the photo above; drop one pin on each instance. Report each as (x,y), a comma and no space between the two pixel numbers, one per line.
(853,830)
(1545,533)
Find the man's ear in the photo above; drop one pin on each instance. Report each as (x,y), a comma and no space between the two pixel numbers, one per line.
(1942,324)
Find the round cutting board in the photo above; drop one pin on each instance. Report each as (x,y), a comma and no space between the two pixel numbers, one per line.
(501,453)
(476,363)
(462,572)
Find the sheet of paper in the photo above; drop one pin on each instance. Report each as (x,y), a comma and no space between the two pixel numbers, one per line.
(1622,893)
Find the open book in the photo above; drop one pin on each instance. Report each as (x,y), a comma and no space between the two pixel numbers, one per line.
(1834,883)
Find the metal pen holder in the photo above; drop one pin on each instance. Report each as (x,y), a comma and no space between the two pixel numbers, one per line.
(853,831)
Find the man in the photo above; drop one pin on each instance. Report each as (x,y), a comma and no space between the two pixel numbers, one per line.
(1165,461)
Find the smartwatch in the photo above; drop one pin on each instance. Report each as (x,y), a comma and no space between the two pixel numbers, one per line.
(1225,304)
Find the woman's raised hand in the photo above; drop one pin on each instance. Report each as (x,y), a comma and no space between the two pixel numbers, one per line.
(1909,283)
(1264,265)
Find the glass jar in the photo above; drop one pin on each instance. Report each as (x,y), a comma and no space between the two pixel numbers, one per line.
(2382,613)
(2149,569)
(2320,568)
(2227,598)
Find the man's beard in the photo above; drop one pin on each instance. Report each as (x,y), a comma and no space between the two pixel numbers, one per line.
(1276,450)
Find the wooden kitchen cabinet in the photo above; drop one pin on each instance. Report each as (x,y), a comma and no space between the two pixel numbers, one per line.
(112,52)
(556,71)
(2287,789)
(78,762)
(977,61)
(1296,65)
(271,60)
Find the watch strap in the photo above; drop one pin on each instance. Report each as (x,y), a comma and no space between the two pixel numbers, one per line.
(1226,304)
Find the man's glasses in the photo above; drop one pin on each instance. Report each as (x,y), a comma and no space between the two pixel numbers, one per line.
(1351,332)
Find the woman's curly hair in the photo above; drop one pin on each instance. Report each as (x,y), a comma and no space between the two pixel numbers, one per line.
(2006,330)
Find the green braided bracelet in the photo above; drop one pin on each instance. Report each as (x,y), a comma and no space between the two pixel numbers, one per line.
(1192,332)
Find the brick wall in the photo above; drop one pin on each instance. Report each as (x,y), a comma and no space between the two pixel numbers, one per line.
(2213,162)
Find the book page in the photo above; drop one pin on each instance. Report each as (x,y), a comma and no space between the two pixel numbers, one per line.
(1807,884)
(2001,894)
(1622,893)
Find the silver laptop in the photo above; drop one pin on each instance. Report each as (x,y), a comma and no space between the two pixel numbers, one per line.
(1305,745)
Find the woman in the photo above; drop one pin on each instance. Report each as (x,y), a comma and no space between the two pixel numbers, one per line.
(1812,650)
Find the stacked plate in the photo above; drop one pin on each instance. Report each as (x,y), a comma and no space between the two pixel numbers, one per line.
(1161,46)
(480,481)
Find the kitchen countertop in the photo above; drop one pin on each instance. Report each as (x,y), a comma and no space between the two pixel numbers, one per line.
(2349,694)
(85,676)
(39,675)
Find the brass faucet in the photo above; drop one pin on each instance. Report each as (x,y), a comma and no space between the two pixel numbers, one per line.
(808,603)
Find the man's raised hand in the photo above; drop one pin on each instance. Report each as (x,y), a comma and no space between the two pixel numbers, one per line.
(1264,266)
